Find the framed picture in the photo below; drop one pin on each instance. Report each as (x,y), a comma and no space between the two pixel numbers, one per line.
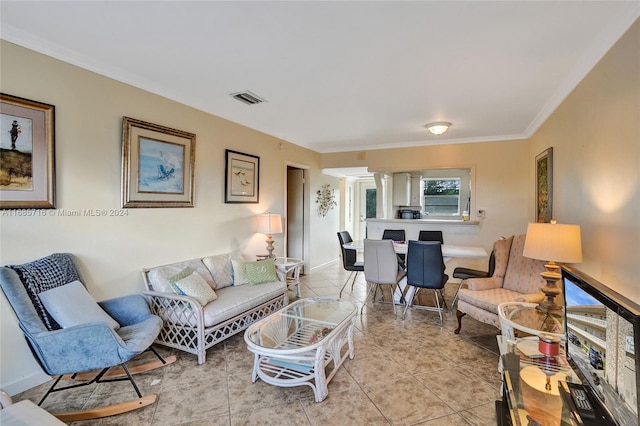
(242,177)
(27,164)
(544,185)
(157,165)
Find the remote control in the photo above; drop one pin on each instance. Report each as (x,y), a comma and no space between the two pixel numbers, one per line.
(581,400)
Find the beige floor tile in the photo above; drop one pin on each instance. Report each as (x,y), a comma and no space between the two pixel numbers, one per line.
(277,415)
(481,415)
(406,401)
(374,369)
(344,409)
(448,385)
(192,401)
(245,395)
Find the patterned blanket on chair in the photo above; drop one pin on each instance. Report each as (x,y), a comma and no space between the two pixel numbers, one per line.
(44,274)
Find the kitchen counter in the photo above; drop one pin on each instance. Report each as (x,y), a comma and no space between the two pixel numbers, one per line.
(426,221)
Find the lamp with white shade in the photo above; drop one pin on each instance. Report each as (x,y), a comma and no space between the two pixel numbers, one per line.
(552,242)
(269,224)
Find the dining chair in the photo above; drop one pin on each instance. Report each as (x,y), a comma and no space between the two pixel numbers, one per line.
(425,269)
(349,260)
(381,268)
(466,273)
(431,236)
(396,235)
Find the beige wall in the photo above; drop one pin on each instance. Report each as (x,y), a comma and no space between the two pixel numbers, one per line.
(595,135)
(113,250)
(500,183)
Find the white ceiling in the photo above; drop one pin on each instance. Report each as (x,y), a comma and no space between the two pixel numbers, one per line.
(338,75)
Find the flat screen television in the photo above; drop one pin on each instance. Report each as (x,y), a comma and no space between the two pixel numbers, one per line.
(603,332)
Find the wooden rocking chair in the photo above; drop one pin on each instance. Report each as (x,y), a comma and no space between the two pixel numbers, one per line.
(80,349)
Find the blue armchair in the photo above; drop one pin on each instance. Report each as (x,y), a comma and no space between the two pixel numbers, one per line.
(78,350)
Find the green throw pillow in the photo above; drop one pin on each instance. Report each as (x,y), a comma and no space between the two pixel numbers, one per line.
(239,272)
(177,277)
(263,271)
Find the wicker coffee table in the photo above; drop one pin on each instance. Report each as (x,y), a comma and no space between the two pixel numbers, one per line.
(299,344)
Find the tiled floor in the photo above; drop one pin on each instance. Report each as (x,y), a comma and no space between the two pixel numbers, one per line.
(405,372)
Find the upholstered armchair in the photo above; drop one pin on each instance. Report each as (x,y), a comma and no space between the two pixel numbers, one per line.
(515,279)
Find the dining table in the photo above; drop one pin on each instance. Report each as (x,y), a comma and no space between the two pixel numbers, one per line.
(449,251)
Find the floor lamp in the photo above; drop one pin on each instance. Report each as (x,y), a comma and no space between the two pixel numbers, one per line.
(270,224)
(552,242)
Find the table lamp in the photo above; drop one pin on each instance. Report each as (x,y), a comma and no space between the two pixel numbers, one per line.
(270,224)
(552,242)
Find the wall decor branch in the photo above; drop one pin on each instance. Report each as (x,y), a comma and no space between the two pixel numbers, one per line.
(326,199)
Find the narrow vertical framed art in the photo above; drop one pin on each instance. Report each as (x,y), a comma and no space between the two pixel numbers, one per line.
(242,177)
(544,186)
(27,154)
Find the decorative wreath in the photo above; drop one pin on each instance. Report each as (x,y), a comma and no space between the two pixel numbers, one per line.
(326,199)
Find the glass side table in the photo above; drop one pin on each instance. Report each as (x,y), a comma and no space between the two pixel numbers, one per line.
(530,388)
(290,267)
(524,317)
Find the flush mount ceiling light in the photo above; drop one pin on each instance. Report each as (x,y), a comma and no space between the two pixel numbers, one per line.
(438,128)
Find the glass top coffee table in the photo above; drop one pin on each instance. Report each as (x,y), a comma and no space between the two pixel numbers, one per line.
(301,343)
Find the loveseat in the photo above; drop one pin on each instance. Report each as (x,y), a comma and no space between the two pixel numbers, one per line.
(515,279)
(203,301)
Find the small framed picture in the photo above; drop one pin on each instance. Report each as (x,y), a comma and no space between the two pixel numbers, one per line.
(544,186)
(27,163)
(157,165)
(242,177)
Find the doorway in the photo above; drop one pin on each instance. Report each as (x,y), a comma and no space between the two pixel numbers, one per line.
(368,196)
(295,232)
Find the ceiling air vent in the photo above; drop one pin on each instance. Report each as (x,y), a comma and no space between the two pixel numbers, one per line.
(248,97)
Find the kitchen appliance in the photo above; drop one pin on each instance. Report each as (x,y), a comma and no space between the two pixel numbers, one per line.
(409,214)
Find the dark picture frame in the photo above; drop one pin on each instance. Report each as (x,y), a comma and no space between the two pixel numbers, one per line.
(544,186)
(157,165)
(27,154)
(242,177)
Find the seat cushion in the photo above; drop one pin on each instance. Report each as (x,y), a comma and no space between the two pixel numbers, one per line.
(235,300)
(488,300)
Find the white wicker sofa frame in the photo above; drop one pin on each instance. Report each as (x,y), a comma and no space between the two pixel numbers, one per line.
(193,328)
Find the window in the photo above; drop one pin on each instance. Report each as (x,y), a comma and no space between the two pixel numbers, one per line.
(446,193)
(442,196)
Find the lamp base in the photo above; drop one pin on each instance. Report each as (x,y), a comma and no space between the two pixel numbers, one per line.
(270,247)
(550,290)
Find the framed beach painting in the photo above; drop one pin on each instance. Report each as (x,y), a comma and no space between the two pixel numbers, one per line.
(242,177)
(27,163)
(544,186)
(157,165)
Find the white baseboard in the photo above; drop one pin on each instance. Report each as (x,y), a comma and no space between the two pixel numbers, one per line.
(324,265)
(25,383)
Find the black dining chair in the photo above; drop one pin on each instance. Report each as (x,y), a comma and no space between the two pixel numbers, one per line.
(396,235)
(467,273)
(431,236)
(425,269)
(349,259)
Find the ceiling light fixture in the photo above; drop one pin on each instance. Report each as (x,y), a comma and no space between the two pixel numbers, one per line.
(439,127)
